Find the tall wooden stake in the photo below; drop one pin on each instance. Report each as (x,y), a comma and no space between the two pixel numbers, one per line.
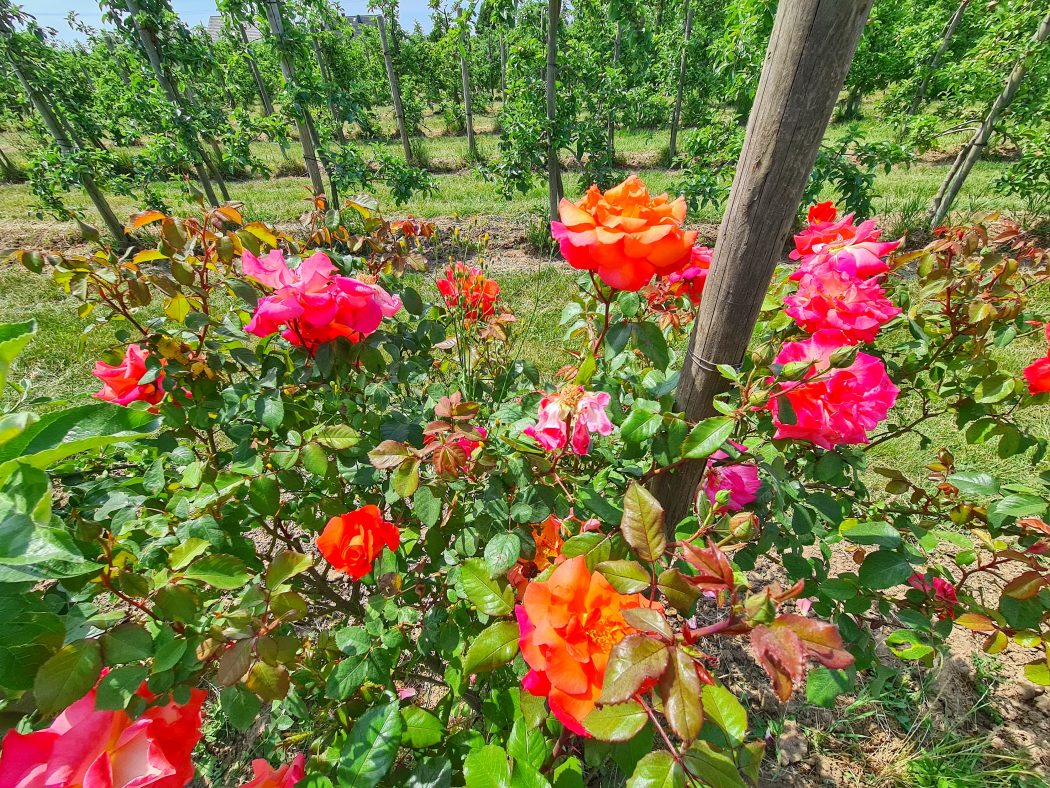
(553,164)
(611,144)
(676,116)
(395,89)
(931,67)
(809,53)
(468,104)
(969,155)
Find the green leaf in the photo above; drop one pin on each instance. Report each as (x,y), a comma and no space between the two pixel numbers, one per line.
(657,770)
(335,436)
(62,433)
(68,676)
(975,483)
(405,479)
(824,685)
(264,495)
(627,577)
(13,338)
(431,773)
(680,690)
(632,661)
(346,678)
(284,566)
(184,552)
(270,411)
(724,710)
(127,643)
(494,647)
(650,340)
(994,388)
(707,437)
(878,533)
(219,571)
(487,767)
(616,722)
(421,728)
(1038,672)
(485,593)
(116,688)
(908,645)
(426,506)
(884,569)
(717,768)
(369,752)
(643,523)
(314,459)
(502,552)
(240,706)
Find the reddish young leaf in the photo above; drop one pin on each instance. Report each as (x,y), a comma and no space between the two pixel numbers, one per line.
(713,570)
(779,652)
(1025,586)
(820,639)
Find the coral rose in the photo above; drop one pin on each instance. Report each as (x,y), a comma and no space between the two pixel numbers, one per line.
(467,288)
(831,299)
(351,542)
(94,748)
(313,305)
(569,624)
(739,478)
(854,250)
(284,777)
(120,383)
(943,593)
(585,411)
(625,235)
(832,406)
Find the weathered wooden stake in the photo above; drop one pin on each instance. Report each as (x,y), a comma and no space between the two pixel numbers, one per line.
(611,144)
(935,61)
(553,164)
(676,115)
(468,104)
(809,53)
(395,90)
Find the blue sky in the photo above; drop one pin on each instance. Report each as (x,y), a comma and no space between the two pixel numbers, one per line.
(52,13)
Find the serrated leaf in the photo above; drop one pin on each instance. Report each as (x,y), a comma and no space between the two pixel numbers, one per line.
(707,437)
(617,722)
(502,552)
(225,572)
(421,728)
(67,676)
(126,643)
(240,706)
(494,647)
(657,770)
(486,594)
(643,523)
(632,661)
(370,749)
(627,577)
(284,566)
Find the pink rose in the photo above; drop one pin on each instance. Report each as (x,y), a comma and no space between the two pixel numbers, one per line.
(739,478)
(851,249)
(90,748)
(469,445)
(285,777)
(828,298)
(120,384)
(832,406)
(591,418)
(586,411)
(690,281)
(941,590)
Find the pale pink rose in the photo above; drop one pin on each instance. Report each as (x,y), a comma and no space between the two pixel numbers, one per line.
(120,383)
(586,411)
(89,748)
(832,406)
(551,431)
(590,418)
(831,299)
(284,777)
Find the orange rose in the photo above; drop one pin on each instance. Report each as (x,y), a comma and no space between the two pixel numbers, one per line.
(351,542)
(548,538)
(625,235)
(569,624)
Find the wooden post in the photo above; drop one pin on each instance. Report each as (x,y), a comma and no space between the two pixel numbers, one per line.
(969,155)
(303,121)
(809,54)
(611,144)
(253,66)
(676,116)
(468,105)
(395,89)
(553,164)
(935,61)
(502,68)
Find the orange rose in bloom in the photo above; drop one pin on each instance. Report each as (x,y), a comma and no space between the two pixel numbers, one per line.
(625,235)
(351,542)
(548,538)
(569,624)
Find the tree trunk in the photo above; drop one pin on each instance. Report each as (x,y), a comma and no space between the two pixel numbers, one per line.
(202,166)
(611,144)
(553,165)
(969,155)
(468,106)
(676,116)
(809,54)
(931,68)
(303,121)
(502,68)
(253,66)
(395,90)
(57,128)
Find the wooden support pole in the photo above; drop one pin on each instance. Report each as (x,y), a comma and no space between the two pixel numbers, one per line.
(553,164)
(935,61)
(809,54)
(676,115)
(468,104)
(969,155)
(611,143)
(395,90)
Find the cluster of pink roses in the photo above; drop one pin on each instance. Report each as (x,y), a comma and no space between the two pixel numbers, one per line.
(312,304)
(87,747)
(575,409)
(120,383)
(841,303)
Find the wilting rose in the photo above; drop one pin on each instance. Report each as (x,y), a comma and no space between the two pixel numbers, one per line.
(569,624)
(466,287)
(312,304)
(625,235)
(351,542)
(586,411)
(854,250)
(120,383)
(830,299)
(739,478)
(832,406)
(284,777)
(87,747)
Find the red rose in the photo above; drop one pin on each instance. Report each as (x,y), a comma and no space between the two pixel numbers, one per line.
(351,542)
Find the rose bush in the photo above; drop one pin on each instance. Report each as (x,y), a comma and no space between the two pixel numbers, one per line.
(355,523)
